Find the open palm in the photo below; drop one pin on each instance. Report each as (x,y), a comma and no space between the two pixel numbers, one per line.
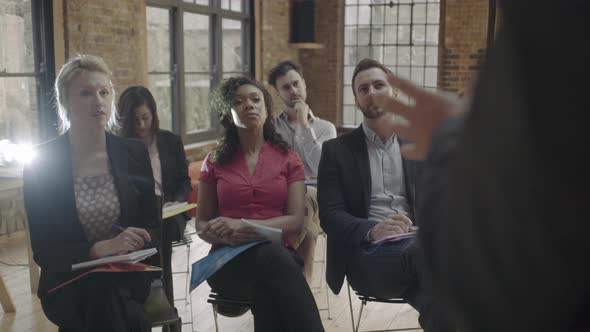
(429,110)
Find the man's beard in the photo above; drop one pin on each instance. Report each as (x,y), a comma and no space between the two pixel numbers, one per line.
(371,112)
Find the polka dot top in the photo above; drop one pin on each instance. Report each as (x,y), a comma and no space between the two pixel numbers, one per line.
(98,205)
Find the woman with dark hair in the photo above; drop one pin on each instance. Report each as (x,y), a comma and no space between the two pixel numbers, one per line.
(139,116)
(252,174)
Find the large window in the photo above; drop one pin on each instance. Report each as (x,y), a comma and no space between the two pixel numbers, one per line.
(401,34)
(26,70)
(192,46)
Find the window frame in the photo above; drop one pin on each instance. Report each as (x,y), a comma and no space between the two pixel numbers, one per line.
(216,14)
(43,69)
(383,44)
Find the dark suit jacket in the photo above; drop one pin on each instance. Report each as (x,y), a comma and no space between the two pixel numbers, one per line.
(57,237)
(344,197)
(175,180)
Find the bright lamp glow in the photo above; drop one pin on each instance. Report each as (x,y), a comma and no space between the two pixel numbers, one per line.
(11,153)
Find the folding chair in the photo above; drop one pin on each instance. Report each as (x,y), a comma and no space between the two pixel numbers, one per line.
(364,299)
(323,282)
(229,306)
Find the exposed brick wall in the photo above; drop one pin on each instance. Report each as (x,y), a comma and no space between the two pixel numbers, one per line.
(322,68)
(112,29)
(464,26)
(275,40)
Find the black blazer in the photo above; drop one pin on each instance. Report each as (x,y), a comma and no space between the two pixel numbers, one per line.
(57,237)
(176,184)
(344,197)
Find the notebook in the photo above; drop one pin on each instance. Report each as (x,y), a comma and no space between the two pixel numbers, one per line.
(132,257)
(275,235)
(112,267)
(178,208)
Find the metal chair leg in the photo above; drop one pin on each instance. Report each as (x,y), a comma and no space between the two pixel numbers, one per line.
(350,306)
(188,274)
(213,306)
(358,322)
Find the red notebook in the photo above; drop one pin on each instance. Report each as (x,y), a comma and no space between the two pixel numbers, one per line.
(112,267)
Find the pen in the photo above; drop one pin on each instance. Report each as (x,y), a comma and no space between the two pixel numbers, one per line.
(119,228)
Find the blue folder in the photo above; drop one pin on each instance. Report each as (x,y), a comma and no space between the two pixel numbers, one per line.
(207,266)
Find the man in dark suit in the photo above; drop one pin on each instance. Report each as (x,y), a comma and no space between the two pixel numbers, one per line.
(366,193)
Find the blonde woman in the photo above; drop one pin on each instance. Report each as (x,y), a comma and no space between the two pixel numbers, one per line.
(80,184)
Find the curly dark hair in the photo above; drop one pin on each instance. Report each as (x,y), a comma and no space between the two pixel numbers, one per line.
(221,103)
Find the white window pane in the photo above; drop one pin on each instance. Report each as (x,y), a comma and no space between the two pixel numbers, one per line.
(236,5)
(350,56)
(225,4)
(158,39)
(376,36)
(377,53)
(348,115)
(18,110)
(391,15)
(432,35)
(363,52)
(232,45)
(417,75)
(390,56)
(16,37)
(348,71)
(418,56)
(196,94)
(432,56)
(433,11)
(419,14)
(403,34)
(350,15)
(363,35)
(403,56)
(405,14)
(403,72)
(161,88)
(377,12)
(364,14)
(350,36)
(196,42)
(390,36)
(431,75)
(348,96)
(419,35)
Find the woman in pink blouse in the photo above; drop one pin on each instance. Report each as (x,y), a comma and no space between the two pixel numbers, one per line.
(252,174)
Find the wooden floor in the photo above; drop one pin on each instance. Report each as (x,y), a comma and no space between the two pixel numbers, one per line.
(196,312)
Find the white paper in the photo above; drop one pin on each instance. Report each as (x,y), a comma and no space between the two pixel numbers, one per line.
(174,206)
(132,257)
(275,235)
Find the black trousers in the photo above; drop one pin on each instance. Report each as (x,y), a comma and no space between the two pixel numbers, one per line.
(392,270)
(272,276)
(100,302)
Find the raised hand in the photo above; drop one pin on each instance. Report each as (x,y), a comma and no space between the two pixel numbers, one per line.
(429,110)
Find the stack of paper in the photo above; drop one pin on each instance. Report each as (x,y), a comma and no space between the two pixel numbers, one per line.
(132,257)
(177,208)
(396,237)
(275,235)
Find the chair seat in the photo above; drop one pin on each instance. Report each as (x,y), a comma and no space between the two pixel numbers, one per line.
(229,306)
(367,298)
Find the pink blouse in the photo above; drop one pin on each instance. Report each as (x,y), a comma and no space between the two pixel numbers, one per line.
(260,196)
